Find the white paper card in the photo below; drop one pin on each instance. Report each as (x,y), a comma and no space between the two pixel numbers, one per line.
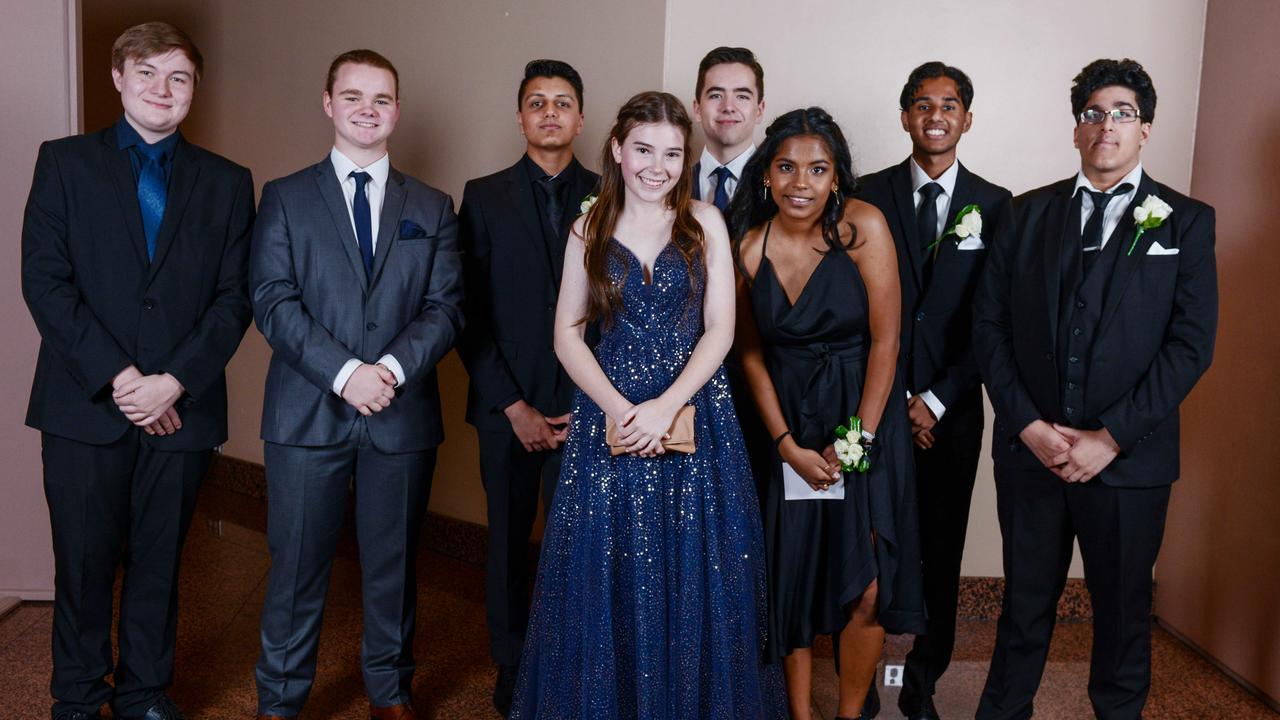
(797,489)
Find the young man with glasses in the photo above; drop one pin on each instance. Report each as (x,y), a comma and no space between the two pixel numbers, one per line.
(1094,320)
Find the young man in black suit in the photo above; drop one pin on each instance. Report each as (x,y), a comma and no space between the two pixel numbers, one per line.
(514,225)
(931,202)
(1095,319)
(135,249)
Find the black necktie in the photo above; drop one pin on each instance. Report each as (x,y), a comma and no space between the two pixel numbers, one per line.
(927,214)
(1091,236)
(152,193)
(364,220)
(721,198)
(555,209)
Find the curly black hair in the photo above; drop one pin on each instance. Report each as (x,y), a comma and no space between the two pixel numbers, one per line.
(929,71)
(1105,73)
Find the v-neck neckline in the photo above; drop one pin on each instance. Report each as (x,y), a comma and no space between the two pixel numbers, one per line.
(646,273)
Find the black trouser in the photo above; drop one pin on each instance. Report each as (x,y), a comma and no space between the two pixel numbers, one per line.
(1120,530)
(944,487)
(306,500)
(108,504)
(512,477)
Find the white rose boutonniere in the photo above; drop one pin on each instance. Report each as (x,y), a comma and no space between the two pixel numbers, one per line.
(586,203)
(850,447)
(1149,215)
(968,223)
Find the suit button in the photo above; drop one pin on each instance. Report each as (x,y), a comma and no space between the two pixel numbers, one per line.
(1013,447)
(1069,411)
(1071,386)
(1080,303)
(148,304)
(919,316)
(1076,331)
(371,327)
(1073,359)
(1048,356)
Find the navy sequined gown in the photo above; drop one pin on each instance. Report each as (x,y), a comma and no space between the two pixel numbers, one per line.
(649,603)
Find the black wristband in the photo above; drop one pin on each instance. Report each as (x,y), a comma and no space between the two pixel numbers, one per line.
(777,442)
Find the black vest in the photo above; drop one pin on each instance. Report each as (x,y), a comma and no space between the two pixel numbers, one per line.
(1084,291)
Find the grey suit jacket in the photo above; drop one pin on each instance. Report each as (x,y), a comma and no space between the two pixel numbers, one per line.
(318,309)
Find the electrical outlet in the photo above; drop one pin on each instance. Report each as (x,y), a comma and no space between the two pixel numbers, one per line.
(893,676)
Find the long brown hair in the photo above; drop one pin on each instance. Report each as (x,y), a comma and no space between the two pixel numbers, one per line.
(604,297)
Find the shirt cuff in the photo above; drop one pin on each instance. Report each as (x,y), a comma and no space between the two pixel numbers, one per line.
(340,380)
(394,366)
(935,405)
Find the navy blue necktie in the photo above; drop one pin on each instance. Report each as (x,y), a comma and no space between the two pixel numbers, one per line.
(721,199)
(152,193)
(364,220)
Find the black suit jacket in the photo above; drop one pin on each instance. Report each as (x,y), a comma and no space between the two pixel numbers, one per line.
(936,339)
(1154,339)
(100,305)
(318,308)
(513,279)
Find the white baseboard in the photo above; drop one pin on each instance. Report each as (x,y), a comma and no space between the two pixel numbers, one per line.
(28,594)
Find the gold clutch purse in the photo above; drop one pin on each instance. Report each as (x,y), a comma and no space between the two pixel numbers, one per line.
(680,440)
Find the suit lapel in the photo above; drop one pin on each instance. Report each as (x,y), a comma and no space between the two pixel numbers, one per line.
(904,198)
(581,185)
(697,180)
(330,189)
(393,198)
(185,172)
(120,168)
(1055,236)
(962,195)
(1127,263)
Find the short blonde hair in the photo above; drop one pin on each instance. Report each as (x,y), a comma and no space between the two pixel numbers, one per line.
(154,38)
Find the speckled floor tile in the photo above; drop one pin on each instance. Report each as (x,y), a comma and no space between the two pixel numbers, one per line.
(223,586)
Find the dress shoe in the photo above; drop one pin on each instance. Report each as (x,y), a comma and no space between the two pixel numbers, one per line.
(926,711)
(504,689)
(76,715)
(162,709)
(403,711)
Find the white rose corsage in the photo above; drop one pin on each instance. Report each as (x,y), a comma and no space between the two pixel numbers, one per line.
(586,203)
(1149,215)
(968,223)
(851,447)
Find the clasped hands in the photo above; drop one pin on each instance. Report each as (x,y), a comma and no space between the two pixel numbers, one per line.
(643,427)
(1074,455)
(534,430)
(147,400)
(922,422)
(370,389)
(820,470)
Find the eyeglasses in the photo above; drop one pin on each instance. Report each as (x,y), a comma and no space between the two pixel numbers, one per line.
(1094,116)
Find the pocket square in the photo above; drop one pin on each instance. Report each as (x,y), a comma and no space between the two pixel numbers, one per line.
(972,242)
(1158,249)
(410,230)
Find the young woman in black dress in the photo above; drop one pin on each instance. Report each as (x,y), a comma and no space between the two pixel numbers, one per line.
(818,317)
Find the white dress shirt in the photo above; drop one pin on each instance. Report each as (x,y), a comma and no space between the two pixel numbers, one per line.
(1115,208)
(708,164)
(374,189)
(947,181)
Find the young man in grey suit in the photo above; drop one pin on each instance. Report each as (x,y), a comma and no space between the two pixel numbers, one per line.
(357,286)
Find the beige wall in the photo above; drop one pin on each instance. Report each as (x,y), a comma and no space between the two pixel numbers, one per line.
(853,57)
(41,71)
(1219,572)
(460,65)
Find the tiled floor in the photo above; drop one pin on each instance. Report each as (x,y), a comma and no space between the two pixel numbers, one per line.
(224,575)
